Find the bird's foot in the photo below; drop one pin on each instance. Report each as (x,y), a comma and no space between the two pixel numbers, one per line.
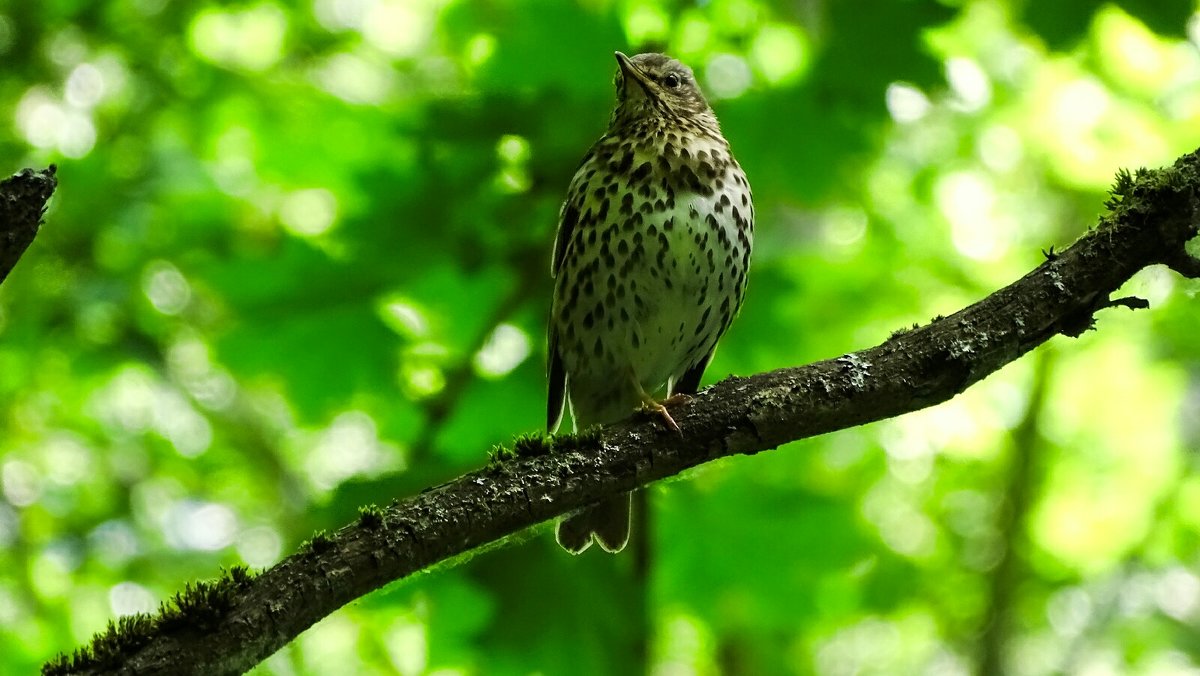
(676,399)
(655,408)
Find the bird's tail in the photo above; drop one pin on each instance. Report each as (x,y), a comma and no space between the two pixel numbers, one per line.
(607,523)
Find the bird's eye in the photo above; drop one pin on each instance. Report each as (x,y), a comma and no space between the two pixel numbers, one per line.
(671,80)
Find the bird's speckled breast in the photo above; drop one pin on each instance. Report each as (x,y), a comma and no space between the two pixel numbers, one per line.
(657,261)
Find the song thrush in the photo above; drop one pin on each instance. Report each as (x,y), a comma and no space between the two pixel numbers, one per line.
(650,262)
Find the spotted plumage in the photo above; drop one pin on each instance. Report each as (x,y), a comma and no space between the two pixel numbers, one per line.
(650,261)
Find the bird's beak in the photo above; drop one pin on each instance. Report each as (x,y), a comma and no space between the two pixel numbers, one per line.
(631,72)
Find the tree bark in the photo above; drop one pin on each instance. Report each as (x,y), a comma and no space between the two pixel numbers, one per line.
(22,203)
(231,625)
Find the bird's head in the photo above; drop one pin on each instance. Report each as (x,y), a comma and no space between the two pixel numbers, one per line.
(656,86)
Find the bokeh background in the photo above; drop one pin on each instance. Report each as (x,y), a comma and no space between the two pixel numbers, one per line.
(298,263)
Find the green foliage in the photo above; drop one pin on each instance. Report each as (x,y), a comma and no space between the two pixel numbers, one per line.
(1061,24)
(297,267)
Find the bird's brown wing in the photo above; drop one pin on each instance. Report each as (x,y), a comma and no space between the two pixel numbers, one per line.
(556,376)
(566,229)
(568,216)
(556,384)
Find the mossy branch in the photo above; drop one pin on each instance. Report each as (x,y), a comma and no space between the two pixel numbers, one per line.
(231,625)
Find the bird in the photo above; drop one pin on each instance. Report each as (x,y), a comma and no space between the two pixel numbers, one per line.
(650,264)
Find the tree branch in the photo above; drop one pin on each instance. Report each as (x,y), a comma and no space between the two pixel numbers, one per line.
(22,203)
(230,625)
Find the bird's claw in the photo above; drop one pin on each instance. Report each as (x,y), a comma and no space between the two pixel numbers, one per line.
(654,408)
